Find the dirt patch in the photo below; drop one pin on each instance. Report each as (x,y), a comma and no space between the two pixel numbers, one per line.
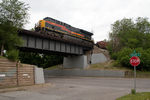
(25,88)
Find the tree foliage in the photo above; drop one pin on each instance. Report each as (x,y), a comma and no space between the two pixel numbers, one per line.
(41,60)
(128,35)
(13,11)
(12,55)
(13,15)
(123,57)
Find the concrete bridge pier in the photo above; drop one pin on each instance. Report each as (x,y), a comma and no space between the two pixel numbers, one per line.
(75,62)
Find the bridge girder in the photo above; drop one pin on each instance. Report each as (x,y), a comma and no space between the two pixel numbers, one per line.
(44,44)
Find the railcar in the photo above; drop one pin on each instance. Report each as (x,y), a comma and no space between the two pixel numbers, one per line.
(50,24)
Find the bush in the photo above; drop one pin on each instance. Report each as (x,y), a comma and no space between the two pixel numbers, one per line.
(41,60)
(133,91)
(114,56)
(123,57)
(124,60)
(12,55)
(116,64)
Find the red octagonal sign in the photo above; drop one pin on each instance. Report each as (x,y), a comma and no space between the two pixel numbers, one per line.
(134,61)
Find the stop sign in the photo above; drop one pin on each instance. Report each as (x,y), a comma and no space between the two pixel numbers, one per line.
(134,61)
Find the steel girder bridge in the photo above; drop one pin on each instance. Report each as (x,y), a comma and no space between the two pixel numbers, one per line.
(44,43)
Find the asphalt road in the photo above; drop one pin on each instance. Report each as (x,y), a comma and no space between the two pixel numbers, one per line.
(80,88)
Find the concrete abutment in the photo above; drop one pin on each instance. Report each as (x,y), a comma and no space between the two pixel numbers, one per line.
(75,62)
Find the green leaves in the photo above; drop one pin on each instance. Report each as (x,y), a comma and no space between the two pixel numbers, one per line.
(13,15)
(128,35)
(41,60)
(131,34)
(14,11)
(12,55)
(123,57)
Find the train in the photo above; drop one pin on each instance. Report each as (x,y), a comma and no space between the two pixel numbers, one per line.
(102,44)
(62,29)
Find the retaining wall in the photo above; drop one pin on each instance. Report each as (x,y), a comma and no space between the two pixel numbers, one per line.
(25,74)
(8,73)
(80,72)
(98,58)
(15,74)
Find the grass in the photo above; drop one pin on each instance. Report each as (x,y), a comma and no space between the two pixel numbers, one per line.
(100,66)
(137,96)
(55,67)
(111,65)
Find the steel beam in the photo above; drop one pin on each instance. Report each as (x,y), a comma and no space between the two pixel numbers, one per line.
(37,43)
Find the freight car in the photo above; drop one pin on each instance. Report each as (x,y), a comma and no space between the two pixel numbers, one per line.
(63,30)
(102,44)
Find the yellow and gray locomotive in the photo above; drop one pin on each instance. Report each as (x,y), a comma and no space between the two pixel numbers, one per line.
(50,24)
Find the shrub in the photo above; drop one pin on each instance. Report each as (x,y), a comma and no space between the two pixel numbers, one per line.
(114,56)
(12,55)
(133,91)
(125,60)
(123,57)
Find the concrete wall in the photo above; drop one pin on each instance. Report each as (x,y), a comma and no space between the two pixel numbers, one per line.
(75,62)
(79,72)
(98,58)
(39,75)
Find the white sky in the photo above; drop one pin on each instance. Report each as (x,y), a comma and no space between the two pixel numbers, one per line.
(91,15)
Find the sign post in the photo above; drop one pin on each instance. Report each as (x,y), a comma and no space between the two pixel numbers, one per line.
(135,78)
(135,61)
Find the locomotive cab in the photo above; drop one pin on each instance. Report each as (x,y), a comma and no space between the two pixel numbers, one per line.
(40,25)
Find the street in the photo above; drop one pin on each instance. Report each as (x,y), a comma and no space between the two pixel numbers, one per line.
(80,88)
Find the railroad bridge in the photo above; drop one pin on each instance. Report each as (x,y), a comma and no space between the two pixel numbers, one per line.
(73,50)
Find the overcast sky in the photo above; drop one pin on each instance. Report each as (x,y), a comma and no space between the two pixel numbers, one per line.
(91,15)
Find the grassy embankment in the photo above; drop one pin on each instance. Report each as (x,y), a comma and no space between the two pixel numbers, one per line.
(137,96)
(100,66)
(55,67)
(110,65)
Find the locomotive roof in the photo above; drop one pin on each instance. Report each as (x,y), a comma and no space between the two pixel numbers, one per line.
(86,32)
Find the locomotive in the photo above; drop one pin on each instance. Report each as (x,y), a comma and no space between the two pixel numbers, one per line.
(63,30)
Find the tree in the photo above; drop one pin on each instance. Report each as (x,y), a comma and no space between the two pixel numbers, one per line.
(41,60)
(129,33)
(13,15)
